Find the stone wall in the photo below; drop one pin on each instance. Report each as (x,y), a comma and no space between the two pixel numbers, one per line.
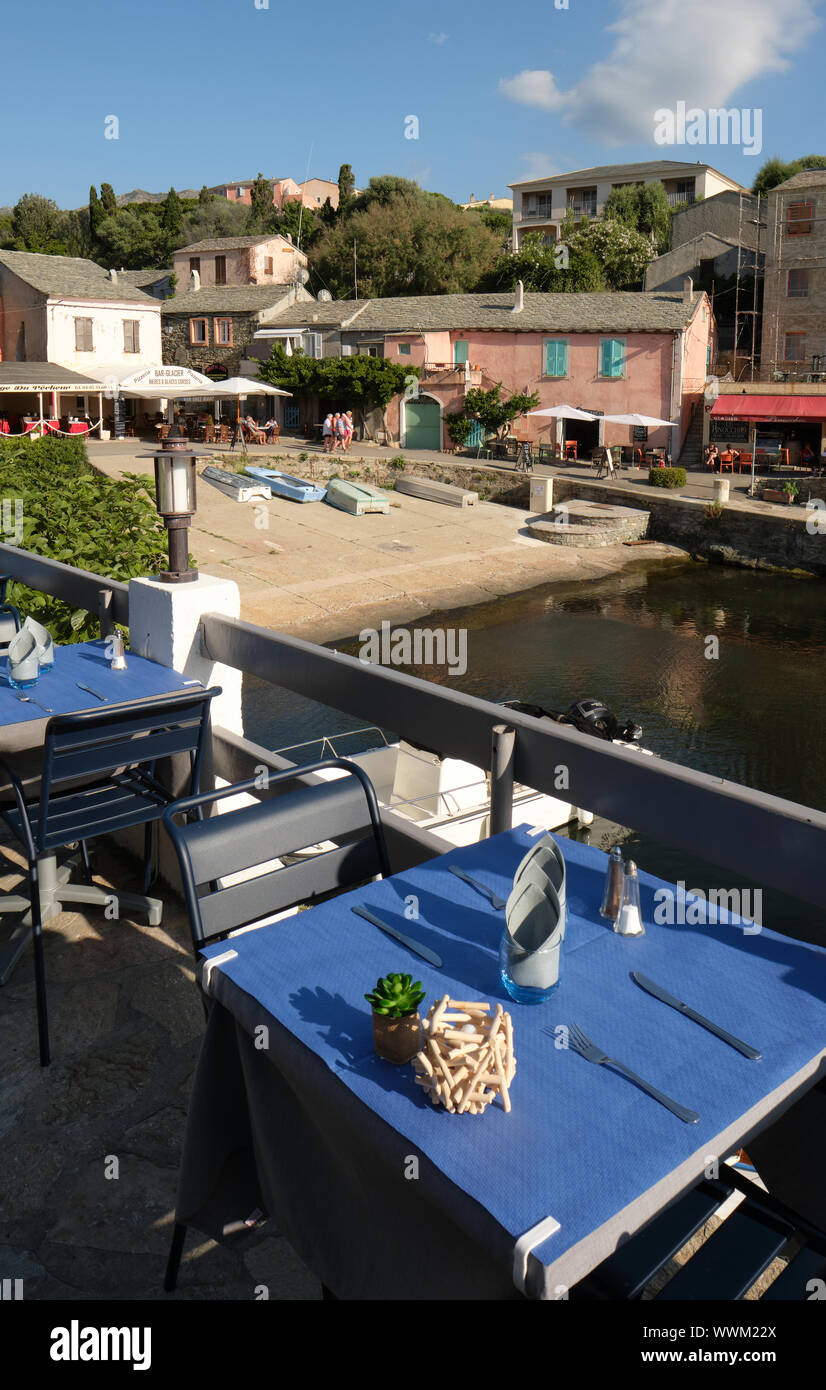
(740,536)
(492,485)
(177,349)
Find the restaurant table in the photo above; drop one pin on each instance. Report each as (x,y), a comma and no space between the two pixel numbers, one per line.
(292,1114)
(23,725)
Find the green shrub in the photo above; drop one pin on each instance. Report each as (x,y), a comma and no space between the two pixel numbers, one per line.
(398,462)
(73,514)
(666,477)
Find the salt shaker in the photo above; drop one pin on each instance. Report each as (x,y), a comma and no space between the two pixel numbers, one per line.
(629,917)
(612,897)
(118,662)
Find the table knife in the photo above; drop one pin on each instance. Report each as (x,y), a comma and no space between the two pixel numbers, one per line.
(662,994)
(415,946)
(89,689)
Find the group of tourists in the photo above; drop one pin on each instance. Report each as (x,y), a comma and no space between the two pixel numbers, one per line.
(337,431)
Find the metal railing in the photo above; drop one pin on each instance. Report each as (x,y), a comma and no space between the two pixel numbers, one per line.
(764,837)
(677,200)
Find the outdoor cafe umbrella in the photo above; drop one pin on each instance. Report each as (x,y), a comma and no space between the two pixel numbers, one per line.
(566,412)
(650,420)
(237,386)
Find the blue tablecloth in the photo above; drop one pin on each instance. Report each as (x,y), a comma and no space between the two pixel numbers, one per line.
(582,1144)
(86,662)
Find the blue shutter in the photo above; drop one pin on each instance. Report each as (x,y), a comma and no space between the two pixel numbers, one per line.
(612,354)
(618,359)
(556,358)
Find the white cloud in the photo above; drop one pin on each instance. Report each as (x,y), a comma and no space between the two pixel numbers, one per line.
(538,165)
(534,88)
(438,38)
(667,51)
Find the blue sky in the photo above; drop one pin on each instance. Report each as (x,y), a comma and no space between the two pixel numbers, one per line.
(222,89)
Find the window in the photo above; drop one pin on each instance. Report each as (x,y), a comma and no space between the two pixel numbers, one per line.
(292,415)
(797,348)
(131,335)
(583,201)
(268,266)
(404,349)
(220,270)
(346,349)
(312,345)
(222,332)
(239,192)
(197,330)
(798,285)
(685,190)
(195,264)
(83,335)
(799,221)
(612,357)
(460,352)
(556,357)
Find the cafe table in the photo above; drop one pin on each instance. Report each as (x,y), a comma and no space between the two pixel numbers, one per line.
(23,722)
(294,1119)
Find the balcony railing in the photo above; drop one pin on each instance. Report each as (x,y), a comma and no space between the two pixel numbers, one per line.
(718,820)
(676,200)
(545,213)
(583,209)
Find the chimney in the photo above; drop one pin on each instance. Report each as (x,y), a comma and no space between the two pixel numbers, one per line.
(688,289)
(472,198)
(519,303)
(194,280)
(113,276)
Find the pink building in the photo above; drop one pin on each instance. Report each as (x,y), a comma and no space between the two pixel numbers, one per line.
(608,353)
(243,260)
(313,193)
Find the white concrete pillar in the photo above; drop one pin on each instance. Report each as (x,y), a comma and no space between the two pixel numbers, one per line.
(163,626)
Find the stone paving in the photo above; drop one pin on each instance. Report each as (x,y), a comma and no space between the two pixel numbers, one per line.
(126,1023)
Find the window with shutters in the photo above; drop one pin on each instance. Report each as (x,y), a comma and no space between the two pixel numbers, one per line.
(268,265)
(799,219)
(798,284)
(83,336)
(195,264)
(404,349)
(131,335)
(556,357)
(197,330)
(220,270)
(222,331)
(460,352)
(612,357)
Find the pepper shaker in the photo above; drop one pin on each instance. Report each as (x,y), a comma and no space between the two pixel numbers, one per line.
(612,896)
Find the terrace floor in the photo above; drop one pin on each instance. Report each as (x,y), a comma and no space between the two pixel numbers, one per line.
(91,1144)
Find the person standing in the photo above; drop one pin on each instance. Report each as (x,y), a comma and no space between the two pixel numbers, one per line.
(327,432)
(349,430)
(341,432)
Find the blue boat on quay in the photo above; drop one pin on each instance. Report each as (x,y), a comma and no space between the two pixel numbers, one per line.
(285,485)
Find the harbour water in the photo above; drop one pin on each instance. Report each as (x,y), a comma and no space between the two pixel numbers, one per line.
(723,668)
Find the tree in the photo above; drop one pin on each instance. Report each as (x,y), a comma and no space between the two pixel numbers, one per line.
(384,188)
(108,199)
(204,197)
(622,252)
(292,217)
(543,269)
(488,408)
(406,244)
(643,207)
(261,205)
(171,215)
(346,188)
(363,382)
(215,219)
(776,171)
(133,238)
(37,224)
(96,212)
(496,220)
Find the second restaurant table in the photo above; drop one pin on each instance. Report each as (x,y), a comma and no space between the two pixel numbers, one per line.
(292,1114)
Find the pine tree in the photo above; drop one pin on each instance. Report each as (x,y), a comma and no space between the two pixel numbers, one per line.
(204,197)
(261,205)
(96,212)
(346,187)
(108,199)
(171,214)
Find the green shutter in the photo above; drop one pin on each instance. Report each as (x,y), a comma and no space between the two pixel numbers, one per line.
(612,354)
(460,351)
(556,358)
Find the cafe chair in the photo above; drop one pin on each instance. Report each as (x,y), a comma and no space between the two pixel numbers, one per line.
(338,819)
(97,777)
(10,620)
(728,1264)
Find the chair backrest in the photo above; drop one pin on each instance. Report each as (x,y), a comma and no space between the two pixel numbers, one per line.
(10,620)
(96,744)
(344,811)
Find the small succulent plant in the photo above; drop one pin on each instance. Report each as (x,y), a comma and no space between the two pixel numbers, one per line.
(396,996)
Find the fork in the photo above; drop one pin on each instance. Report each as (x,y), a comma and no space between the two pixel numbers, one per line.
(30,700)
(582,1044)
(493,898)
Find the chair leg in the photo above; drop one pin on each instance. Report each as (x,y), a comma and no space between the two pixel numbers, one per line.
(173,1263)
(39,971)
(148,867)
(86,861)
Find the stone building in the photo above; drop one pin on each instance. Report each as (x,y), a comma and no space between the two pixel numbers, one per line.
(241,260)
(210,327)
(794,310)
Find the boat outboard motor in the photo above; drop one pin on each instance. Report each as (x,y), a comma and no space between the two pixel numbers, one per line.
(593,717)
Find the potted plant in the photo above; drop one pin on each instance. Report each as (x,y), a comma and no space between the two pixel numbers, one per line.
(785,495)
(792,489)
(397,1028)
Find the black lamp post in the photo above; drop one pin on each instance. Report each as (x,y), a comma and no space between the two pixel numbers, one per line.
(176,502)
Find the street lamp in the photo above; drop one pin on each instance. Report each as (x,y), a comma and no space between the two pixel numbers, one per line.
(176,502)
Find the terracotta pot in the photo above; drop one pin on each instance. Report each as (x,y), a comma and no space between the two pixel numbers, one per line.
(397,1040)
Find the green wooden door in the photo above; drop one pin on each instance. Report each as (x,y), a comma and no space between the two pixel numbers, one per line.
(422,426)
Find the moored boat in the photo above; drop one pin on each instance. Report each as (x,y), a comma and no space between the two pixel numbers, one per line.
(430,490)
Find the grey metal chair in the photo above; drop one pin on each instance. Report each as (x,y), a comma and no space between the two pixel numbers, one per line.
(217,847)
(10,621)
(98,777)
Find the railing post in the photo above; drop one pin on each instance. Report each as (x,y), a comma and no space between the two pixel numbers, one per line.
(502,749)
(107,624)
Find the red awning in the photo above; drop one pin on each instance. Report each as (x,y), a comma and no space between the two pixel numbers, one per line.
(770,408)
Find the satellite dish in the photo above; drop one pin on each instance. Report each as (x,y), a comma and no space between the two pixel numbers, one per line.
(305,275)
(324,297)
